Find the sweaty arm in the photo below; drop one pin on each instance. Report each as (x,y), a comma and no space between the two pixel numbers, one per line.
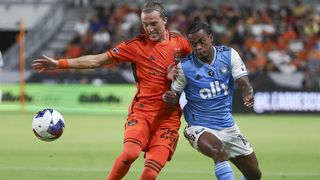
(240,74)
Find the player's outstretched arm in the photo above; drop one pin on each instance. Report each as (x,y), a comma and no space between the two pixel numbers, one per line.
(247,91)
(45,63)
(83,62)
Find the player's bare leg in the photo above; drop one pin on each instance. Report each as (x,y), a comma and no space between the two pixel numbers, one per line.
(248,165)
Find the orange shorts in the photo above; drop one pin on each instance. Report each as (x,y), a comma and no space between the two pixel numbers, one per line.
(138,131)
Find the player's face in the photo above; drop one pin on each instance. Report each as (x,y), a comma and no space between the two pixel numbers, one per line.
(201,44)
(154,25)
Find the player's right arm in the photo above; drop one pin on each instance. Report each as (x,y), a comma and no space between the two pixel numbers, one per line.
(83,62)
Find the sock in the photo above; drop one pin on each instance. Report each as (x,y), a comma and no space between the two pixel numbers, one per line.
(156,158)
(121,166)
(224,171)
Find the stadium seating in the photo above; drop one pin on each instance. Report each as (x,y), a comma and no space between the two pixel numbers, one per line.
(274,38)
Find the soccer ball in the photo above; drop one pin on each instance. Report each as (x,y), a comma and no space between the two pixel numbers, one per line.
(48,125)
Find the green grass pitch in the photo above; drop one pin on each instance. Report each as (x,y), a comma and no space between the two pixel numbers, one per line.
(287,147)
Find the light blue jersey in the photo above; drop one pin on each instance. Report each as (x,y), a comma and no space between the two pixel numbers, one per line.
(209,88)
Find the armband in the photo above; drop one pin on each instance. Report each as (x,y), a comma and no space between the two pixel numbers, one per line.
(63,64)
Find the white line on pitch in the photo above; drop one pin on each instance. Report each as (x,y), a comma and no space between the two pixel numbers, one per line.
(193,171)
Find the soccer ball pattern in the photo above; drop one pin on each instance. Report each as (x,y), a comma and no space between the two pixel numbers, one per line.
(48,125)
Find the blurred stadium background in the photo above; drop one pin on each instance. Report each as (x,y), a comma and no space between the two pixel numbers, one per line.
(279,42)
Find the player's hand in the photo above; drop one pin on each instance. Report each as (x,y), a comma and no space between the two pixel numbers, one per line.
(172,72)
(170,98)
(44,64)
(248,101)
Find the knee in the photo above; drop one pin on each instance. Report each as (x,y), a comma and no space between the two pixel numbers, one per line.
(219,155)
(211,146)
(258,174)
(130,156)
(255,175)
(131,152)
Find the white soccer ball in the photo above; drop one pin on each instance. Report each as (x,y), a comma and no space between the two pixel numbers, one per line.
(48,124)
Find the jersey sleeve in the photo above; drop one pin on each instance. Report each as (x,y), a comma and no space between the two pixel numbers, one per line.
(237,66)
(186,47)
(180,82)
(123,52)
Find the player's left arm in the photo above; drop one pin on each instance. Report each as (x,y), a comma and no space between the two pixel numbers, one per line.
(240,74)
(172,96)
(247,91)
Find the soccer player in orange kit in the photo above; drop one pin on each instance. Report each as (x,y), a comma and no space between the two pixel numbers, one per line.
(151,126)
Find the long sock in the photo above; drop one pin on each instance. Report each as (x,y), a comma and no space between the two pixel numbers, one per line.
(224,171)
(156,158)
(121,166)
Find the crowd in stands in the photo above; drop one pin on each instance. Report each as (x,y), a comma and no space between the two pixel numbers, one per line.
(282,37)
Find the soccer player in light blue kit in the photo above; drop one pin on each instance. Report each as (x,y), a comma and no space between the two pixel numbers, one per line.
(207,77)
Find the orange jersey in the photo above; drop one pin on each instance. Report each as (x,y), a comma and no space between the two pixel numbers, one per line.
(150,61)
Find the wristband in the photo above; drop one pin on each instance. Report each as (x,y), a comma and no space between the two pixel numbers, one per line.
(63,64)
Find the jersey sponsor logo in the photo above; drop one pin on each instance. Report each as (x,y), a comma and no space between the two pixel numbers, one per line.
(216,88)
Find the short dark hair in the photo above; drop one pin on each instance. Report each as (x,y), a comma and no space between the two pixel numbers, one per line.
(197,25)
(154,6)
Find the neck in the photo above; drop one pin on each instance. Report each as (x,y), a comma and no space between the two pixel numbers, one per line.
(207,59)
(164,37)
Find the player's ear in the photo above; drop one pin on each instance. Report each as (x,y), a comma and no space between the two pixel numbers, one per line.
(211,37)
(165,19)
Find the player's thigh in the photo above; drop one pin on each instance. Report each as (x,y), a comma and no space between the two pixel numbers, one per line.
(166,137)
(211,146)
(137,131)
(247,164)
(206,141)
(235,142)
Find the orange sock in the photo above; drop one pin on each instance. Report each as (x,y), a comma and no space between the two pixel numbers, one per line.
(156,158)
(121,166)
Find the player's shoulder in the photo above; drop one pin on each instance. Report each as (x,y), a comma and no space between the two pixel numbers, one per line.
(187,59)
(175,35)
(222,48)
(138,39)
